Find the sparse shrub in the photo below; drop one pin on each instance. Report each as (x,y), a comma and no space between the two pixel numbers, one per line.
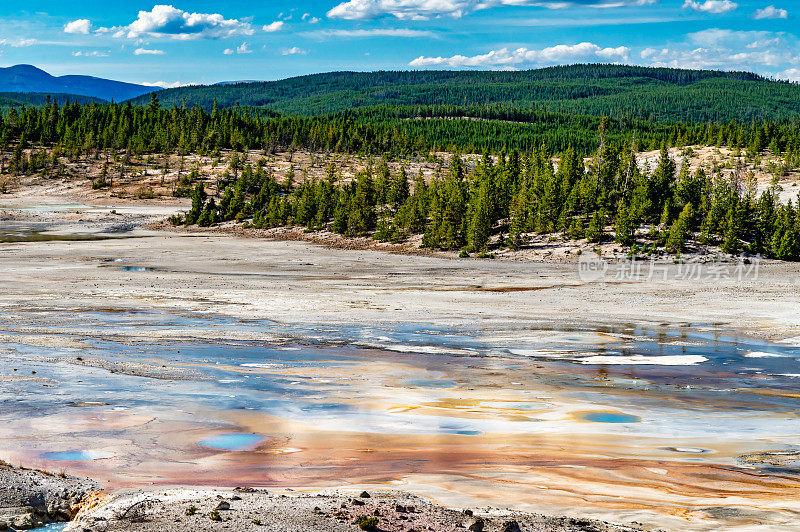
(191,510)
(145,193)
(214,516)
(366,522)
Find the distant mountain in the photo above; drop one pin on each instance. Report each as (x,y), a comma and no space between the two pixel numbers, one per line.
(28,78)
(616,90)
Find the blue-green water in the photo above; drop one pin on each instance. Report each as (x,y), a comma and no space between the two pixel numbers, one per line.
(233,441)
(610,417)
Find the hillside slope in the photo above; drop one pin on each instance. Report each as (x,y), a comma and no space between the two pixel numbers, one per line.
(650,93)
(28,78)
(18,99)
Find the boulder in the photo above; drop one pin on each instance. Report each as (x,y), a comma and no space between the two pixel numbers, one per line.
(475,525)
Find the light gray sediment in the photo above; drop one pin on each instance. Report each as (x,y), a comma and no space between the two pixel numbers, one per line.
(187,509)
(31,498)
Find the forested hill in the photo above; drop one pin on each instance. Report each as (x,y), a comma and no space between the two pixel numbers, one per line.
(20,99)
(614,90)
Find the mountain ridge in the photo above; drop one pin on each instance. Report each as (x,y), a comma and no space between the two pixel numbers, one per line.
(596,89)
(25,78)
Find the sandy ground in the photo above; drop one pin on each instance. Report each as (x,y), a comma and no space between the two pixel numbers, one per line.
(331,511)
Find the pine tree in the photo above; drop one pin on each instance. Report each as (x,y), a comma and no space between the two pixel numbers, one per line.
(676,240)
(596,230)
(198,202)
(481,223)
(626,225)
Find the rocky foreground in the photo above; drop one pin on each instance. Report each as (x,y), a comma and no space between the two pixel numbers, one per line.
(31,498)
(187,509)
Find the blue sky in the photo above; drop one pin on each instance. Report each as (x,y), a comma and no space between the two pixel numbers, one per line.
(198,41)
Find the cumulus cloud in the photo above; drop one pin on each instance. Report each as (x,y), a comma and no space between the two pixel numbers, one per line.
(377,32)
(790,74)
(728,50)
(82,26)
(770,12)
(426,9)
(716,7)
(243,49)
(227,51)
(166,21)
(508,59)
(294,50)
(275,26)
(145,51)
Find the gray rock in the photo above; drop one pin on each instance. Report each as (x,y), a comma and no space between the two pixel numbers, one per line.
(475,525)
(24,522)
(26,494)
(223,505)
(510,526)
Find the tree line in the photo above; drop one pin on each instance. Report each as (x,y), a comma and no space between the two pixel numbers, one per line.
(75,129)
(507,199)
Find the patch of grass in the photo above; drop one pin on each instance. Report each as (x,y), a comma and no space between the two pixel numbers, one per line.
(214,516)
(191,510)
(365,522)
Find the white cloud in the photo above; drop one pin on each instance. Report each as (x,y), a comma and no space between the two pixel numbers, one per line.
(82,26)
(243,49)
(166,21)
(426,9)
(227,51)
(294,50)
(311,20)
(716,37)
(275,26)
(790,74)
(145,51)
(728,50)
(711,6)
(95,53)
(377,32)
(164,84)
(18,43)
(505,58)
(770,12)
